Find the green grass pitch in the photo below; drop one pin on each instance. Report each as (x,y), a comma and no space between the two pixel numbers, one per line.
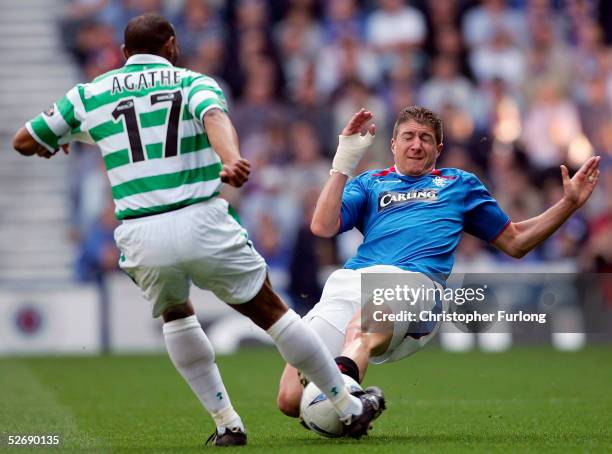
(532,399)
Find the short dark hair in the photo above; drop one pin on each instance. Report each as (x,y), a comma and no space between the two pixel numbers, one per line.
(147,34)
(420,115)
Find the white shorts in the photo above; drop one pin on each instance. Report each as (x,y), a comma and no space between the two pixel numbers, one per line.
(340,301)
(202,243)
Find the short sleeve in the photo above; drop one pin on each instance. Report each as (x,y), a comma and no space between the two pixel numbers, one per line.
(354,201)
(204,94)
(483,217)
(56,123)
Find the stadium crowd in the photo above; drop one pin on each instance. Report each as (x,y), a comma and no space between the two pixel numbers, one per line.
(522,86)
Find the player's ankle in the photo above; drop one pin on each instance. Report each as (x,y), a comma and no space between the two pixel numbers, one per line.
(348,407)
(357,407)
(227,418)
(232,428)
(348,367)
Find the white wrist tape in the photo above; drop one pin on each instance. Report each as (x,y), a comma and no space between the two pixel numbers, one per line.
(350,151)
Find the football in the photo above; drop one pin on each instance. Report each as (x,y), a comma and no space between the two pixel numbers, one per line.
(318,413)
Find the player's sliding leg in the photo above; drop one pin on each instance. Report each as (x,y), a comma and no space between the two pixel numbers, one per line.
(194,358)
(370,341)
(363,341)
(300,346)
(291,385)
(352,352)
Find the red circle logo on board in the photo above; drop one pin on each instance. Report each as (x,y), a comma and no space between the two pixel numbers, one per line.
(28,320)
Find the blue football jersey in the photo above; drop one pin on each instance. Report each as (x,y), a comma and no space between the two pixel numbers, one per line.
(415,223)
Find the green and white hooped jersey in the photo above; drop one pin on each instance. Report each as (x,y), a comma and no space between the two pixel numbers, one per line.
(146,117)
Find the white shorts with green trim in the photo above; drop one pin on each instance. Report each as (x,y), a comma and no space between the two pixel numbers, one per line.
(200,243)
(341,300)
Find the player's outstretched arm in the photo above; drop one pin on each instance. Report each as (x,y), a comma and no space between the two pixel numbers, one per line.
(521,237)
(224,140)
(351,147)
(326,217)
(25,144)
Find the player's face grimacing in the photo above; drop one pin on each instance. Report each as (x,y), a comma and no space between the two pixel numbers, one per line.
(415,148)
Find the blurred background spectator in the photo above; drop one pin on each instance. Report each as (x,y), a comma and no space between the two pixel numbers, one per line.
(522,86)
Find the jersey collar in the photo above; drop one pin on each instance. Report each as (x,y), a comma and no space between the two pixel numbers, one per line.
(145,59)
(392,169)
(384,172)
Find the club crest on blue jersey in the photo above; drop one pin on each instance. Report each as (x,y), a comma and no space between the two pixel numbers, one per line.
(388,199)
(440,182)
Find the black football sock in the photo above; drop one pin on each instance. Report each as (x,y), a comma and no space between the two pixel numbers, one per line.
(348,367)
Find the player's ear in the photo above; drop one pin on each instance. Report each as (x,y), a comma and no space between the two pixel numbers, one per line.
(170,42)
(439,147)
(171,50)
(125,52)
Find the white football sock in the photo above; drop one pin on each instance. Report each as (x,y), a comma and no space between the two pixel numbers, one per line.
(194,357)
(300,346)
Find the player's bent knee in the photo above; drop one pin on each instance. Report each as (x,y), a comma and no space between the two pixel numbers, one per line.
(178,311)
(289,402)
(289,392)
(265,308)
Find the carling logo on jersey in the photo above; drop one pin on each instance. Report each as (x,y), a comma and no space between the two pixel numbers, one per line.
(388,199)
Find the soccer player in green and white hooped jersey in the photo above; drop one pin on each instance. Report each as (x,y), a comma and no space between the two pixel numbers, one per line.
(143,103)
(168,145)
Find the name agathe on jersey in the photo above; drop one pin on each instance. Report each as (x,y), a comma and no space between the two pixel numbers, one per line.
(145,80)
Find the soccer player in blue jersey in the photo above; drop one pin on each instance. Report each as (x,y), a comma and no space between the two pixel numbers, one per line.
(412,216)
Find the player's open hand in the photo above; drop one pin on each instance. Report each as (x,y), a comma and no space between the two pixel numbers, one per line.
(579,188)
(357,124)
(236,173)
